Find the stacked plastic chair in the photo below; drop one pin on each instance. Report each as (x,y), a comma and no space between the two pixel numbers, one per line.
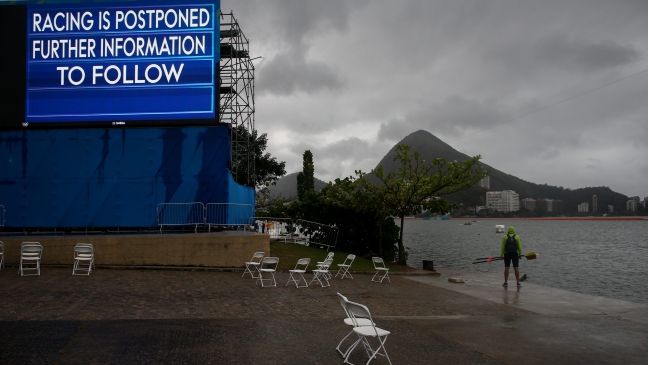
(84,259)
(31,254)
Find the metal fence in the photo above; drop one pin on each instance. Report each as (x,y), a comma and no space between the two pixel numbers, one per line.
(198,214)
(227,214)
(278,228)
(301,231)
(181,214)
(315,234)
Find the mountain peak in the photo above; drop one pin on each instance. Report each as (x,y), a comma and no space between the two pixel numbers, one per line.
(428,146)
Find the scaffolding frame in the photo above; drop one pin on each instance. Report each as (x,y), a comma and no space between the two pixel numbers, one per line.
(237,97)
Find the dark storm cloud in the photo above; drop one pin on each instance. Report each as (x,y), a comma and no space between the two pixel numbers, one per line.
(452,117)
(291,25)
(339,159)
(288,73)
(552,78)
(560,51)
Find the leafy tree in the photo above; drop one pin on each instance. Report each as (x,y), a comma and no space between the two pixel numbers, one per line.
(360,231)
(417,185)
(305,179)
(345,194)
(250,147)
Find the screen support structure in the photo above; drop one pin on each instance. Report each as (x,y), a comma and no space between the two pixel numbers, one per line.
(237,98)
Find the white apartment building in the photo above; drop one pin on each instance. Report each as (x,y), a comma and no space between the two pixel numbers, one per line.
(632,205)
(583,207)
(484,182)
(503,201)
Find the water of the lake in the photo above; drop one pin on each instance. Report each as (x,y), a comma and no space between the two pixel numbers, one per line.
(603,258)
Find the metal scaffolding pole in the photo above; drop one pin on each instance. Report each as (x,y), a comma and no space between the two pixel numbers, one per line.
(237,98)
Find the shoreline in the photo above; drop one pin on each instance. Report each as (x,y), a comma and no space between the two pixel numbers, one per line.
(544,218)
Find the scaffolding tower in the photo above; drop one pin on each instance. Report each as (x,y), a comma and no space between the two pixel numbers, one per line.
(237,98)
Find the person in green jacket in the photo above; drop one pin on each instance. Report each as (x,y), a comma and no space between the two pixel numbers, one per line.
(510,251)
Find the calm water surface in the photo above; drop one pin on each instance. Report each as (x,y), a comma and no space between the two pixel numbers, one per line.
(603,258)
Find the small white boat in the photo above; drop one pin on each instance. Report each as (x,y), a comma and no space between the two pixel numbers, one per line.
(500,228)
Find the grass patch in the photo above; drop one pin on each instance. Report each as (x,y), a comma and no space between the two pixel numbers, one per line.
(289,253)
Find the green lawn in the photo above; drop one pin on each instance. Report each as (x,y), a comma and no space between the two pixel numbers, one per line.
(289,253)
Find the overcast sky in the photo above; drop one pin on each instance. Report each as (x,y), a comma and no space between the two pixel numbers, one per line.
(551,91)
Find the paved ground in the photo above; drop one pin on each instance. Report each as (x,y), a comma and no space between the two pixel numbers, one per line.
(186,317)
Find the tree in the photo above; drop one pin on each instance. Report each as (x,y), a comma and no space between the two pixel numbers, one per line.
(305,179)
(346,195)
(249,145)
(418,186)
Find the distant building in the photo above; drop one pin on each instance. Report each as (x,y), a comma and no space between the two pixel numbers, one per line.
(610,209)
(484,182)
(479,208)
(557,206)
(583,207)
(528,203)
(594,203)
(632,205)
(547,203)
(503,201)
(550,205)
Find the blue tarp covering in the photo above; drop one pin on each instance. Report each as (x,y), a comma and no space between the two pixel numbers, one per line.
(112,177)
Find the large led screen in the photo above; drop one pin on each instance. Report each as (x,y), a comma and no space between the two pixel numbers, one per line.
(113,63)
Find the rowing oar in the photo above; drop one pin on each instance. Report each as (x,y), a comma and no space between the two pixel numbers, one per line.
(530,256)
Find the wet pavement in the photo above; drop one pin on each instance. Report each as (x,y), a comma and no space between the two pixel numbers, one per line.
(199,317)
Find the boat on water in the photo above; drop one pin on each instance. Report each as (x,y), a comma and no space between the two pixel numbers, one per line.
(467,223)
(500,228)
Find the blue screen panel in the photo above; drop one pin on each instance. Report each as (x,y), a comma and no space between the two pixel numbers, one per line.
(113,177)
(121,61)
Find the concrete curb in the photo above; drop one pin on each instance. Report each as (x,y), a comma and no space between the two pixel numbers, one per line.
(225,269)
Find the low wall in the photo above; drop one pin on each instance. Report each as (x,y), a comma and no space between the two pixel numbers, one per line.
(221,249)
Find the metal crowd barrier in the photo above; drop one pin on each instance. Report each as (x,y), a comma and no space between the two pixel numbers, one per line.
(301,232)
(315,234)
(227,214)
(181,214)
(278,228)
(198,214)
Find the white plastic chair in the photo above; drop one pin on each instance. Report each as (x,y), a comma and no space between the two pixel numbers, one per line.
(267,265)
(343,269)
(381,270)
(84,258)
(2,254)
(299,270)
(330,255)
(253,264)
(93,251)
(30,257)
(321,265)
(357,312)
(322,273)
(348,321)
